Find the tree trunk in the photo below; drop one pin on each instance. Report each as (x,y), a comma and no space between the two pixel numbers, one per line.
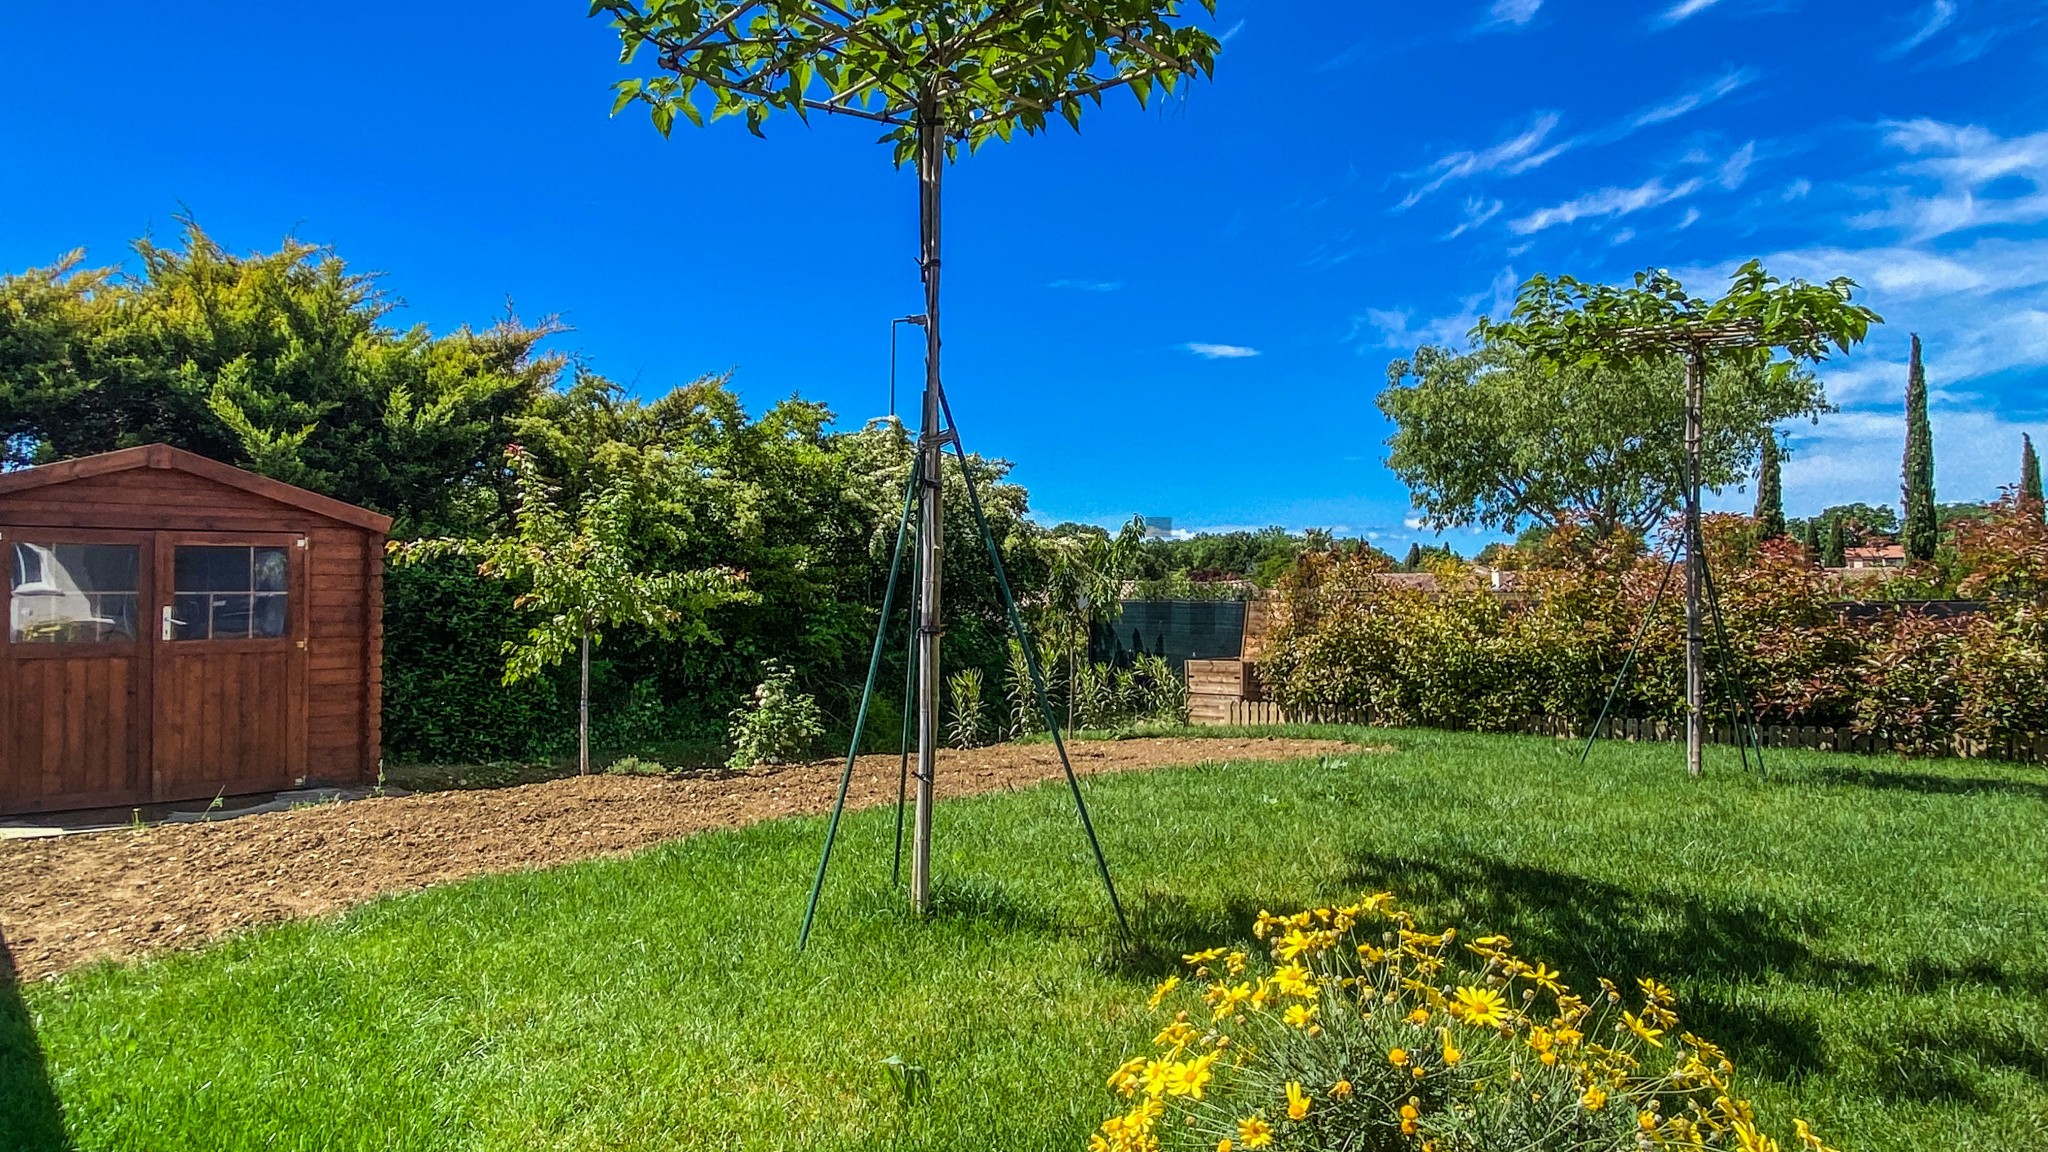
(931,166)
(583,712)
(1695,570)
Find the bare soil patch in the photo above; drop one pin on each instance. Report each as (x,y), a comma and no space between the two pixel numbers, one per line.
(64,902)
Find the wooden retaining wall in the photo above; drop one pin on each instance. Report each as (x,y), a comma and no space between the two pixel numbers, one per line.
(2024,750)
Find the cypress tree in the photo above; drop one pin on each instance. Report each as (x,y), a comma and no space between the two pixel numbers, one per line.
(1836,553)
(1414,559)
(2030,477)
(1770,494)
(1813,539)
(1920,530)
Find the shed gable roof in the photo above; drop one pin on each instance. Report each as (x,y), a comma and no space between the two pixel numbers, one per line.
(164,456)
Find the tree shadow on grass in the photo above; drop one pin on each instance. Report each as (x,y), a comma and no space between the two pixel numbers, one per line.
(1591,928)
(1925,783)
(29,1112)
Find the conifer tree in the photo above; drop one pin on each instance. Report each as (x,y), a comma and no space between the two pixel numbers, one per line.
(1920,529)
(1836,553)
(1414,559)
(1813,539)
(2030,477)
(1770,493)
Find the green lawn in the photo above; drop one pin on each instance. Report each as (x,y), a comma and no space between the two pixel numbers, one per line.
(1868,937)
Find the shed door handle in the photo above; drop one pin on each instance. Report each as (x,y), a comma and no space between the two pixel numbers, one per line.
(169,624)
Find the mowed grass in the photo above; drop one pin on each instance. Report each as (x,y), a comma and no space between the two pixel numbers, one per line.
(1868,937)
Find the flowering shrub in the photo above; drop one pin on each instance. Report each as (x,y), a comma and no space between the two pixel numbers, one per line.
(1364,1033)
(781,726)
(1462,656)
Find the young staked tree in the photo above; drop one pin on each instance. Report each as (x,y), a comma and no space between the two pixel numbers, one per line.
(580,574)
(1922,527)
(1770,493)
(933,75)
(1566,322)
(2030,478)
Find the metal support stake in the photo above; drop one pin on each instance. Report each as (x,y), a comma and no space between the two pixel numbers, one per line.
(860,721)
(1629,660)
(995,559)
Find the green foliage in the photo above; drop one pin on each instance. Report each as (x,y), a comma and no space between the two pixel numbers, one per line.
(445,697)
(1464,657)
(781,726)
(2030,475)
(1834,553)
(278,362)
(1921,532)
(1262,557)
(967,713)
(976,71)
(1770,492)
(1500,438)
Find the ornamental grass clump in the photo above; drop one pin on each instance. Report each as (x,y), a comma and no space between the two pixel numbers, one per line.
(1364,1033)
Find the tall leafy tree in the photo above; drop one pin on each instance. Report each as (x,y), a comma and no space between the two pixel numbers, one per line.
(1922,530)
(1497,438)
(281,362)
(1770,493)
(1834,553)
(2030,476)
(580,573)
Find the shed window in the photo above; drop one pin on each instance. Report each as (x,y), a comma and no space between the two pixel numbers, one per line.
(73,593)
(229,593)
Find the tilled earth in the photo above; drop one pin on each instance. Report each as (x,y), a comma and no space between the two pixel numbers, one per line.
(74,899)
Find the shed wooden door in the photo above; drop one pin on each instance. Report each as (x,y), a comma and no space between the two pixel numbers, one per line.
(74,669)
(229,667)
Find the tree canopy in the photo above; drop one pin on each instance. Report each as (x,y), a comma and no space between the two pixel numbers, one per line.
(976,70)
(1499,439)
(280,362)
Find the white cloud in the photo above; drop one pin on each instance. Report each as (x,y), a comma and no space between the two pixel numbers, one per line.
(1736,168)
(1796,190)
(1852,456)
(1512,156)
(1691,217)
(1623,236)
(1978,176)
(1517,12)
(1087,285)
(1685,9)
(1603,203)
(1226,36)
(1726,83)
(1396,328)
(1940,14)
(1478,210)
(1220,351)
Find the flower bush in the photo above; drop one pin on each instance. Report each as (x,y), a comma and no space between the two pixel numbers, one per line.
(1462,656)
(1364,1033)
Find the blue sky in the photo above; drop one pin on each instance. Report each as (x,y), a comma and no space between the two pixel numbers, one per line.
(1183,311)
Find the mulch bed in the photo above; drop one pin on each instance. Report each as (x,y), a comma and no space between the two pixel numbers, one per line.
(123,894)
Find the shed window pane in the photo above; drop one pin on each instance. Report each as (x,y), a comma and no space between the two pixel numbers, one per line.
(230,593)
(73,593)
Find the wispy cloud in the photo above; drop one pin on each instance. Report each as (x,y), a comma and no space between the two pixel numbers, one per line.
(1685,10)
(1940,15)
(1515,12)
(1730,79)
(1087,285)
(1516,154)
(1604,203)
(1228,33)
(1478,210)
(1381,328)
(1736,168)
(1220,351)
(1982,179)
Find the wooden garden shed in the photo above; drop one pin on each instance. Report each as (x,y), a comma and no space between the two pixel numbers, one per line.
(177,629)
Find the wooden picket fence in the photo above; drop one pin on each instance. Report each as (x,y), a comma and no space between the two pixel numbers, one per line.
(2023,750)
